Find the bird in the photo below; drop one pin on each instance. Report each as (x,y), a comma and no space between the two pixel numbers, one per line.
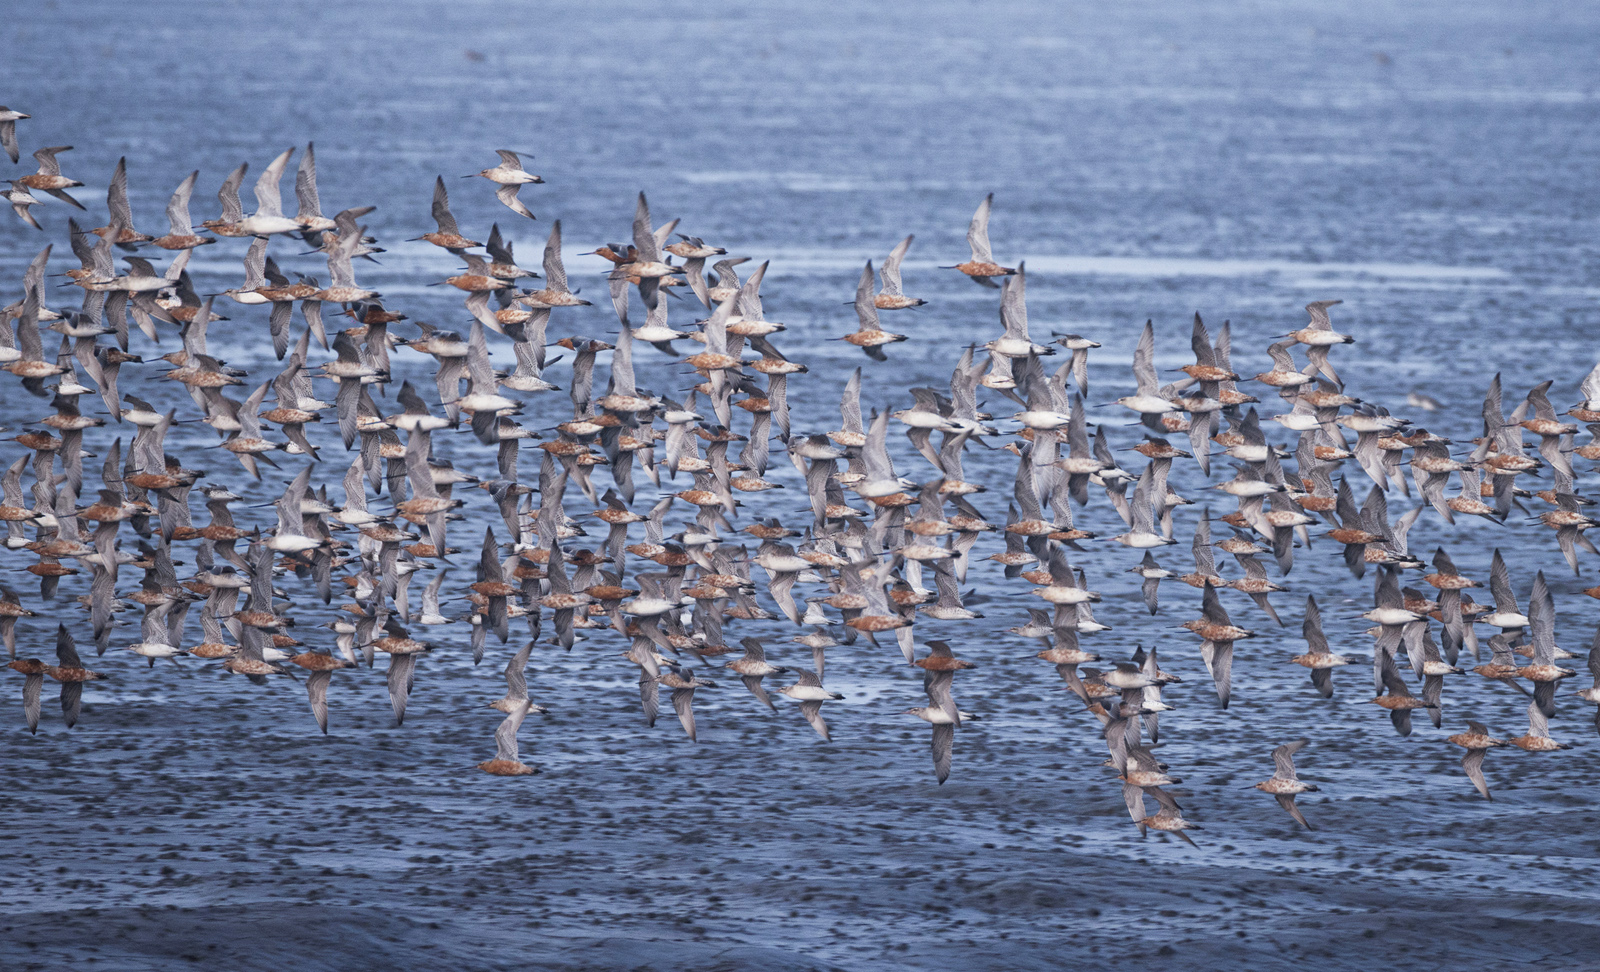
(320,666)
(1320,332)
(1397,698)
(752,667)
(33,671)
(506,761)
(1284,784)
(808,691)
(1218,634)
(447,236)
(1153,574)
(1477,742)
(72,675)
(49,178)
(181,234)
(941,712)
(890,296)
(1015,342)
(1319,658)
(403,651)
(268,219)
(516,684)
(22,201)
(944,735)
(510,176)
(1537,739)
(982,268)
(1542,669)
(682,681)
(1170,821)
(1507,615)
(869,336)
(8,130)
(1147,399)
(120,229)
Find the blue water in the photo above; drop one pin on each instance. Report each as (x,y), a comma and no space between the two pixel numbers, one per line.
(1430,164)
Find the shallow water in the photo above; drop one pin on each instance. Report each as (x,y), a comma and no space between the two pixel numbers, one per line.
(1431,165)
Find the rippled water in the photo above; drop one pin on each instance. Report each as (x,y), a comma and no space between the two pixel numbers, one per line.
(1431,165)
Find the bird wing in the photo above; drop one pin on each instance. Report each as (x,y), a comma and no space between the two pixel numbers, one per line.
(1472,763)
(866,310)
(812,710)
(516,673)
(649,698)
(505,737)
(32,691)
(644,239)
(117,197)
(508,197)
(441,208)
(555,272)
(305,185)
(683,704)
(753,683)
(1144,368)
(401,669)
(978,234)
(317,693)
(66,648)
(944,738)
(938,685)
(1283,759)
(1500,585)
(1286,801)
(1542,619)
(268,201)
(889,273)
(1311,629)
(1219,662)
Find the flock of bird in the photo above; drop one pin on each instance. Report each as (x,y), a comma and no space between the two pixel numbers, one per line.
(865,548)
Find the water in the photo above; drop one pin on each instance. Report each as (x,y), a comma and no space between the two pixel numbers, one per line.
(1431,165)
